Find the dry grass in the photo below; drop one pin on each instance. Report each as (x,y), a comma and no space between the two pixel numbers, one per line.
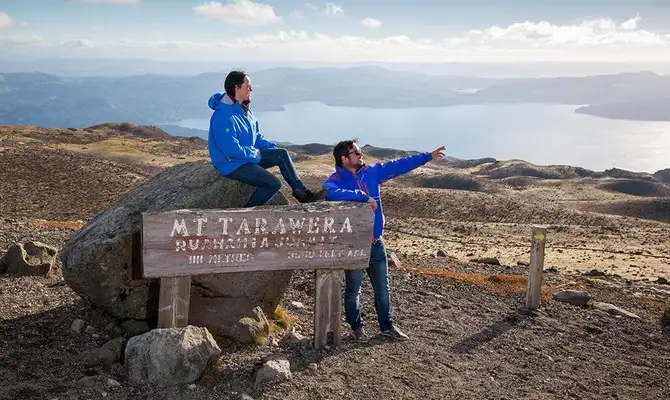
(43,223)
(509,285)
(279,321)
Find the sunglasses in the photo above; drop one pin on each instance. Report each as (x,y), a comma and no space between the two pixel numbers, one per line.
(358,153)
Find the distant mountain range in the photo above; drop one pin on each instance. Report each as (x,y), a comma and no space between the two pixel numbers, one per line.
(55,101)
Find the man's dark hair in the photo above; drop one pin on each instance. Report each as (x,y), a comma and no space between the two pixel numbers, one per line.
(342,150)
(233,80)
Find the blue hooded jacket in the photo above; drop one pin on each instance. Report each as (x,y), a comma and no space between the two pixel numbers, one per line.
(343,185)
(234,136)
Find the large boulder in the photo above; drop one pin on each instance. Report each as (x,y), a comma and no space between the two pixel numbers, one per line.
(102,261)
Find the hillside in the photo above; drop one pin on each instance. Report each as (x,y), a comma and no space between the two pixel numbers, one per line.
(470,335)
(146,99)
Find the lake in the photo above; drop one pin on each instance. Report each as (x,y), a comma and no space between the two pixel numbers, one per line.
(538,133)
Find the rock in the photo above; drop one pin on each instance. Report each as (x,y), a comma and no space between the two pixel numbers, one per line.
(523,263)
(313,367)
(662,281)
(102,260)
(244,327)
(486,260)
(297,305)
(612,309)
(394,261)
(441,253)
(574,297)
(112,382)
(293,338)
(91,381)
(665,319)
(108,354)
(594,272)
(30,259)
(77,325)
(170,356)
(275,370)
(89,329)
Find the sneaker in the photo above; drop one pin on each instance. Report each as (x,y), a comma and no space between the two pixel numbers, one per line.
(359,335)
(394,333)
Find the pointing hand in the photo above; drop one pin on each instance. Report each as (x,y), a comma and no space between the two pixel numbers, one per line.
(439,152)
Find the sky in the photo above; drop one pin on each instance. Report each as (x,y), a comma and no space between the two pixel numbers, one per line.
(338,31)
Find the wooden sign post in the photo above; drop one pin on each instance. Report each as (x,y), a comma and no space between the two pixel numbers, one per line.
(536,269)
(325,236)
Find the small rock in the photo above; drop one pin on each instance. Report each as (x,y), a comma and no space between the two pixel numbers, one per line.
(108,354)
(89,381)
(191,386)
(593,329)
(292,338)
(313,366)
(486,260)
(574,297)
(662,281)
(552,270)
(245,396)
(89,329)
(665,319)
(274,370)
(523,263)
(594,272)
(394,261)
(77,325)
(297,304)
(104,394)
(441,253)
(112,382)
(31,259)
(614,310)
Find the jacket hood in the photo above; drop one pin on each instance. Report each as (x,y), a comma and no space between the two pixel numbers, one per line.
(218,99)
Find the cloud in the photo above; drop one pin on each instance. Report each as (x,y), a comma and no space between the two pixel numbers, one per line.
(238,12)
(6,22)
(588,32)
(591,40)
(106,1)
(330,9)
(371,23)
(22,41)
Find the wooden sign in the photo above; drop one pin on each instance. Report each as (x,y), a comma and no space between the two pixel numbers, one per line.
(322,235)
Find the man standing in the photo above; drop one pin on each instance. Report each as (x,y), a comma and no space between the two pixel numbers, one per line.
(353,180)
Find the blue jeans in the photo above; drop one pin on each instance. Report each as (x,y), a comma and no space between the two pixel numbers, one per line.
(379,277)
(268,185)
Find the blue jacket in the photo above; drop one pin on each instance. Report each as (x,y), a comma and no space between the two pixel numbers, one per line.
(234,137)
(343,185)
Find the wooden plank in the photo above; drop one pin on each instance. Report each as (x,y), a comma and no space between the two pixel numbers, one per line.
(328,308)
(329,235)
(534,291)
(173,302)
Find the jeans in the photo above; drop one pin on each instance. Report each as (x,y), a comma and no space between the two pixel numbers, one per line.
(268,185)
(378,272)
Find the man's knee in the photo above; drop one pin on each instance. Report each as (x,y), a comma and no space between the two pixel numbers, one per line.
(273,184)
(283,153)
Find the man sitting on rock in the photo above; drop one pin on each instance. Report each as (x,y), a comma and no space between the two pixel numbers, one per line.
(239,150)
(353,180)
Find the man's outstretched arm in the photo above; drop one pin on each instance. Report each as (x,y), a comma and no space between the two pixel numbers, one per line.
(391,169)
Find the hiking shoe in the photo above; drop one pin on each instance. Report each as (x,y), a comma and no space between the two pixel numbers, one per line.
(311,197)
(359,335)
(394,333)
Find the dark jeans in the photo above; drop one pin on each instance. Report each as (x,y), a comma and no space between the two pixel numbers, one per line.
(268,185)
(378,272)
